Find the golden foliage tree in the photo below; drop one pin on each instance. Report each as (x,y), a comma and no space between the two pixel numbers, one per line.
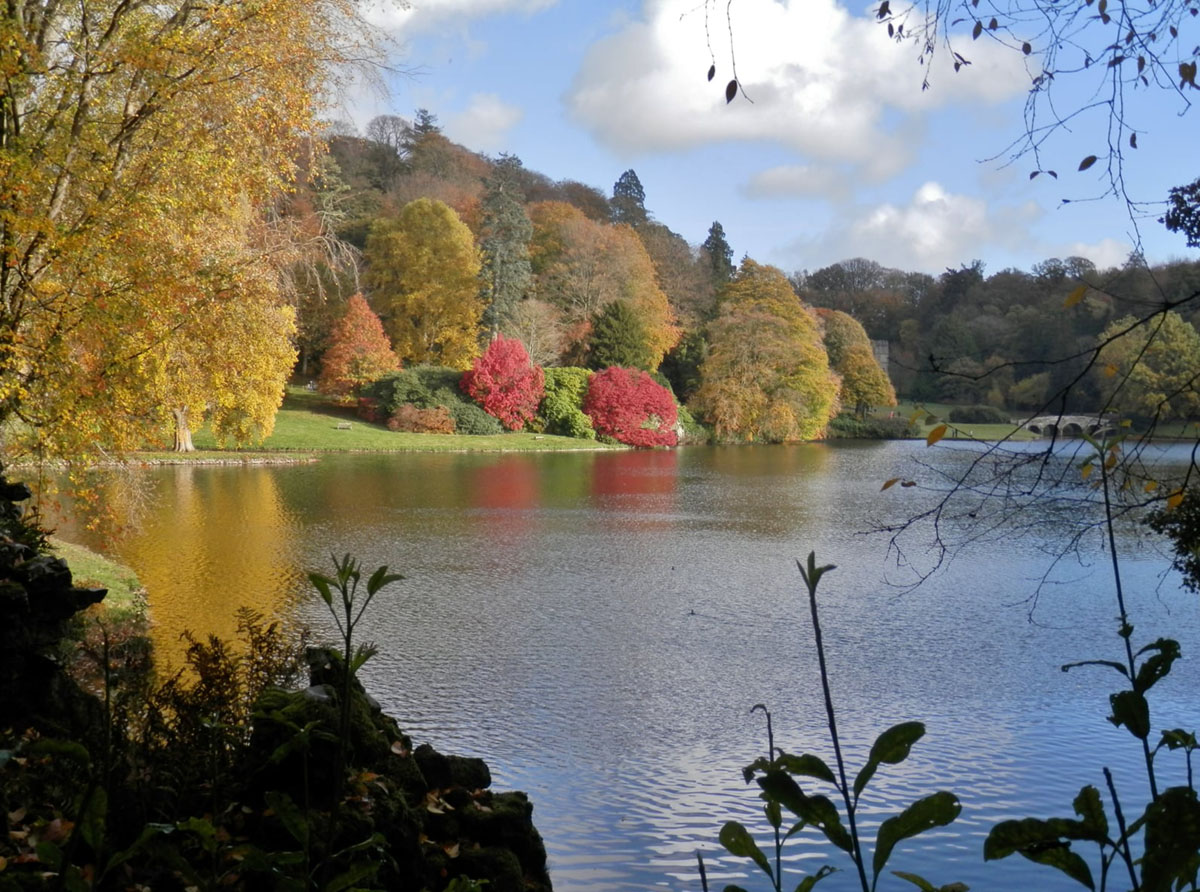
(1153,371)
(767,376)
(139,144)
(423,275)
(864,382)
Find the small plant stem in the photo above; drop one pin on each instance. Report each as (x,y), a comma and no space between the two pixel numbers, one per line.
(1126,634)
(844,787)
(1123,842)
(703,874)
(778,878)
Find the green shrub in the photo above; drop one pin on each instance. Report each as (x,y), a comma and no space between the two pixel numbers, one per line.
(469,418)
(561,411)
(693,430)
(978,415)
(431,387)
(848,427)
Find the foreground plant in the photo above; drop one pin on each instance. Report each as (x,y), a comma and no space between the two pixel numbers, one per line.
(777,775)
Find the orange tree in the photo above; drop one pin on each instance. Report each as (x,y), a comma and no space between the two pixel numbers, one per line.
(359,351)
(138,145)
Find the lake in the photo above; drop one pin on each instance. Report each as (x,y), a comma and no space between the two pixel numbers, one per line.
(599,625)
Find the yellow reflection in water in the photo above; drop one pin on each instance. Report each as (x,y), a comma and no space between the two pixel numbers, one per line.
(215,540)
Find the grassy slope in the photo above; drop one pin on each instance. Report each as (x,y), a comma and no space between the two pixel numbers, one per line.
(92,570)
(308,423)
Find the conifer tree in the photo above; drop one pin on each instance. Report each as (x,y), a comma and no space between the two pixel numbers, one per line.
(619,338)
(720,255)
(504,243)
(629,200)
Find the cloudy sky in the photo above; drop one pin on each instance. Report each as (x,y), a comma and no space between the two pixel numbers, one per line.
(835,151)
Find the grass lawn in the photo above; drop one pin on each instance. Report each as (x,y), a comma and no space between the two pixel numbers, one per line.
(92,570)
(308,422)
(940,412)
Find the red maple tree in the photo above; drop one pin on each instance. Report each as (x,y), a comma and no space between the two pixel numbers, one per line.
(359,351)
(505,383)
(631,407)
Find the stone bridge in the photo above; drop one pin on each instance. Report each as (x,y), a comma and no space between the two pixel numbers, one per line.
(1070,425)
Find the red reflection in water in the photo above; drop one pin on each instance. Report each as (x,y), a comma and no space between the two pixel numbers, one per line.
(508,483)
(639,472)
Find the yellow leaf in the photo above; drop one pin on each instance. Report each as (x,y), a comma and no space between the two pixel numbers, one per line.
(889,484)
(1087,470)
(1151,485)
(1174,499)
(1075,297)
(1110,370)
(936,434)
(912,419)
(1125,422)
(1110,462)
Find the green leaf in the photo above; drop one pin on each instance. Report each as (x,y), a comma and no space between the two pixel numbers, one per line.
(816,810)
(937,810)
(1043,842)
(290,815)
(49,854)
(91,822)
(892,747)
(774,814)
(1178,738)
(920,882)
(806,884)
(1129,708)
(381,578)
(1089,807)
(737,841)
(322,585)
(806,765)
(1158,665)
(1172,840)
(357,872)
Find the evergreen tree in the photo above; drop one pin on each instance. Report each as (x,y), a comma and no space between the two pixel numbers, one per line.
(504,242)
(629,200)
(720,255)
(619,338)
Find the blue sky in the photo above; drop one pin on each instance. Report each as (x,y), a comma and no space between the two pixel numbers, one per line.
(840,154)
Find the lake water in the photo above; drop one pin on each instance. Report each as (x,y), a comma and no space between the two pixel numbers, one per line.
(599,625)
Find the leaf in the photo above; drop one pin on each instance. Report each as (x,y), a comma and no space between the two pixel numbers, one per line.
(816,810)
(884,9)
(936,434)
(977,30)
(889,484)
(1088,806)
(806,884)
(737,841)
(290,815)
(1172,839)
(1043,842)
(806,765)
(937,810)
(1112,664)
(1026,48)
(352,877)
(1087,162)
(891,747)
(1156,667)
(1033,174)
(1129,708)
(322,585)
(1174,500)
(731,89)
(712,71)
(1086,471)
(92,821)
(993,25)
(1150,486)
(1075,296)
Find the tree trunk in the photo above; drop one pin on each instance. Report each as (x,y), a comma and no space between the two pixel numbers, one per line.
(183,433)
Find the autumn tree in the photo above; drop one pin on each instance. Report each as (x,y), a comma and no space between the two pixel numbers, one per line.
(423,275)
(864,383)
(504,243)
(140,146)
(766,376)
(631,407)
(682,274)
(629,200)
(359,351)
(505,383)
(1153,371)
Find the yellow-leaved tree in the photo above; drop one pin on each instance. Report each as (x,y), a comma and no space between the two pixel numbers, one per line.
(141,145)
(864,382)
(423,275)
(767,376)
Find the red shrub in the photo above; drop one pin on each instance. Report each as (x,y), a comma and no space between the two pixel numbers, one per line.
(369,409)
(411,420)
(631,407)
(505,383)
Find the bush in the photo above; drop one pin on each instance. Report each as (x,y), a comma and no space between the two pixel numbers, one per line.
(561,411)
(848,426)
(978,415)
(693,430)
(411,420)
(471,419)
(505,382)
(629,406)
(369,409)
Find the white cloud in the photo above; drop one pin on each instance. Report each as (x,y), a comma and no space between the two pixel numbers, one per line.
(798,181)
(934,230)
(1105,253)
(485,123)
(410,15)
(829,85)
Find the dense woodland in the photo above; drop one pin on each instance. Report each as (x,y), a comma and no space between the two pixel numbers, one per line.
(452,247)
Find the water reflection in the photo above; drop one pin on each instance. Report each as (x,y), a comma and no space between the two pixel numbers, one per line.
(598,626)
